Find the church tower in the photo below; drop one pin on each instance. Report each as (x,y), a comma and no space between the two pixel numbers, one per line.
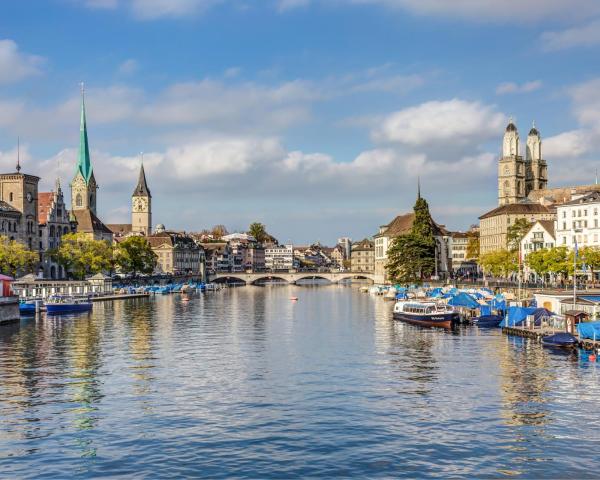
(83,185)
(511,169)
(141,206)
(537,176)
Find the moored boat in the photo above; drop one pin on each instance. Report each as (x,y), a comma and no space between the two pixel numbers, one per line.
(65,304)
(429,314)
(560,340)
(487,321)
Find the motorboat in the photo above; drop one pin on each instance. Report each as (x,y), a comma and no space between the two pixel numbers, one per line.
(429,314)
(58,304)
(560,340)
(27,307)
(487,321)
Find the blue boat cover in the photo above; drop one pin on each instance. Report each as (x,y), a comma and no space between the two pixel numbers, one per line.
(560,339)
(517,315)
(588,330)
(463,300)
(485,310)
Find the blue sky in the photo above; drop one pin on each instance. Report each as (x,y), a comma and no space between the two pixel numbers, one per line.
(312,116)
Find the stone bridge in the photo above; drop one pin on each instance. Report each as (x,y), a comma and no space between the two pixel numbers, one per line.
(291,278)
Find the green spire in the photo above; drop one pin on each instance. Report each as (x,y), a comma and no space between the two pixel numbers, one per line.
(84,164)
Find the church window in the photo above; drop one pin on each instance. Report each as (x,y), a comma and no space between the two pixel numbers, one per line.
(78,200)
(11,197)
(52,230)
(564,225)
(596,223)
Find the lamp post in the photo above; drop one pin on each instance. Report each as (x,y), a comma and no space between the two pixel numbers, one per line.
(575,253)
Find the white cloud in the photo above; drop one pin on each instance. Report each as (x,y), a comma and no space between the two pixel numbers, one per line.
(586,103)
(454,121)
(574,143)
(512,87)
(531,11)
(16,65)
(587,35)
(128,67)
(285,5)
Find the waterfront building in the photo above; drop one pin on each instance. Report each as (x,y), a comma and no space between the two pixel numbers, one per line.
(218,256)
(141,206)
(362,256)
(53,218)
(517,177)
(579,219)
(337,255)
(494,225)
(19,210)
(461,263)
(84,189)
(279,257)
(538,237)
(401,225)
(176,252)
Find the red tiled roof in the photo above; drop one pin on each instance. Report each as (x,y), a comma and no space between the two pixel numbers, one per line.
(45,201)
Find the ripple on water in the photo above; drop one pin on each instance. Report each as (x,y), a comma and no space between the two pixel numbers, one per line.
(245,383)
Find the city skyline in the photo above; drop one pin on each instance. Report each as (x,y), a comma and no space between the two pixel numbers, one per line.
(315,143)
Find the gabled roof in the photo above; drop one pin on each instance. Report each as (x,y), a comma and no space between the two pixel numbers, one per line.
(119,228)
(517,208)
(365,244)
(8,208)
(45,201)
(402,224)
(87,222)
(592,197)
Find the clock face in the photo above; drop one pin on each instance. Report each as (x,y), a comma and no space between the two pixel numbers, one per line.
(139,204)
(29,197)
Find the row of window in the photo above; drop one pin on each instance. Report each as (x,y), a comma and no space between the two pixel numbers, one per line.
(580,224)
(581,239)
(578,213)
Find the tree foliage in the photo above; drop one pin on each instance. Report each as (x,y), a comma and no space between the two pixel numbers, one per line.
(219,231)
(473,245)
(516,232)
(81,255)
(134,255)
(258,231)
(411,257)
(500,263)
(16,258)
(550,261)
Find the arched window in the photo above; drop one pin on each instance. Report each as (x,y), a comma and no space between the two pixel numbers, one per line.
(519,188)
(78,200)
(52,230)
(11,197)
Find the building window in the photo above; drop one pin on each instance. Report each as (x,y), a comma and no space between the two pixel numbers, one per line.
(78,200)
(11,197)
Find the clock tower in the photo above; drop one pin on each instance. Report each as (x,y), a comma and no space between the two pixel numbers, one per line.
(141,206)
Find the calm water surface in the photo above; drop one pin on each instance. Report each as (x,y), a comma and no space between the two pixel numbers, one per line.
(246,383)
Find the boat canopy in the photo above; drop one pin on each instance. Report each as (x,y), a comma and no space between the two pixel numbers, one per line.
(463,299)
(589,330)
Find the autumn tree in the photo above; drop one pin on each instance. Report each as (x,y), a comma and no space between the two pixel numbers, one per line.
(134,255)
(83,256)
(516,232)
(500,263)
(472,245)
(16,258)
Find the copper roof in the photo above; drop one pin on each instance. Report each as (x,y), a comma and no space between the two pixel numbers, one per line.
(517,208)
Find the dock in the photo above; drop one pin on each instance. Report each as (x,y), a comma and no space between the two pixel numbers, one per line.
(124,296)
(537,334)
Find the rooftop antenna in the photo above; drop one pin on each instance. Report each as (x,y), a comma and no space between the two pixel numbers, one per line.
(18,154)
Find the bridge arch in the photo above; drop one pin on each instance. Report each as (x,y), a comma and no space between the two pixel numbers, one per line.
(254,281)
(227,278)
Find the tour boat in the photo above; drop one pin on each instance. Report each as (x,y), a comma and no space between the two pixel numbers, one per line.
(58,304)
(559,340)
(429,314)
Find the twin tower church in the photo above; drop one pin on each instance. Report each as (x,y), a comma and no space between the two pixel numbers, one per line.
(84,196)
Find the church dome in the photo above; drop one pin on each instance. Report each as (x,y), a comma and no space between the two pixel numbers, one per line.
(511,127)
(534,131)
(160,228)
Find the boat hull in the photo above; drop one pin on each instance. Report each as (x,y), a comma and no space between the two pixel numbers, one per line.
(59,308)
(443,320)
(560,340)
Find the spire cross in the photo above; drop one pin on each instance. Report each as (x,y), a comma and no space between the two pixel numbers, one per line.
(18,154)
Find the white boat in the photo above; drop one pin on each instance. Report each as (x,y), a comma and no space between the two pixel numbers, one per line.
(429,314)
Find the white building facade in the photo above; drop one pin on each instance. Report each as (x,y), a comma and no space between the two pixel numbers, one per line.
(579,220)
(279,257)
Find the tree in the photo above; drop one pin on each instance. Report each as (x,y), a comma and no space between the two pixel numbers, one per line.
(219,231)
(516,232)
(134,255)
(16,258)
(538,261)
(411,257)
(83,256)
(473,245)
(258,231)
(500,263)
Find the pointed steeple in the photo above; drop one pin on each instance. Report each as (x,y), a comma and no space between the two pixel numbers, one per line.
(18,155)
(418,187)
(142,190)
(84,163)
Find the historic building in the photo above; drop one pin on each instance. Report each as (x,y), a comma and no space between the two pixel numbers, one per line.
(579,220)
(518,176)
(279,257)
(19,210)
(141,206)
(362,256)
(401,225)
(84,189)
(176,252)
(53,218)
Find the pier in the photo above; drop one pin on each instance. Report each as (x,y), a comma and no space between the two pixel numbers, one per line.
(538,333)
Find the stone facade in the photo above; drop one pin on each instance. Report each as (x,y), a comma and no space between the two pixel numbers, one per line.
(362,257)
(177,253)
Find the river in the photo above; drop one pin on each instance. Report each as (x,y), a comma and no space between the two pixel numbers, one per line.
(246,383)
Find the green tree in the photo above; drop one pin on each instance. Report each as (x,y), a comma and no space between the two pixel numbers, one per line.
(500,263)
(411,257)
(83,256)
(134,255)
(516,232)
(258,231)
(538,261)
(16,258)
(473,245)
